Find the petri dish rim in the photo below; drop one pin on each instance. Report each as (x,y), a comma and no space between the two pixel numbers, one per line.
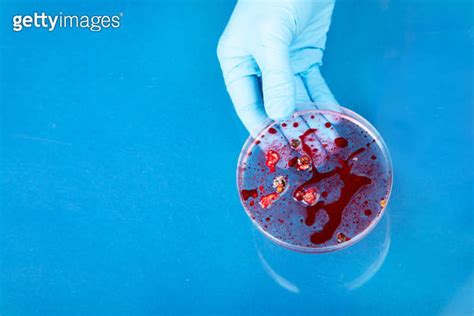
(365,125)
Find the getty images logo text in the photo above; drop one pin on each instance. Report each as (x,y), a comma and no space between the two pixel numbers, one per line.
(93,23)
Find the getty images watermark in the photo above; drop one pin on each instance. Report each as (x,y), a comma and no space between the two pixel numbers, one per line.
(94,23)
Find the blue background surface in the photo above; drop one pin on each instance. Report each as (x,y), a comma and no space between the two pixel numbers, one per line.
(118,157)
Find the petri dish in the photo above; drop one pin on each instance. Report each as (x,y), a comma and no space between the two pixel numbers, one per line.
(316,182)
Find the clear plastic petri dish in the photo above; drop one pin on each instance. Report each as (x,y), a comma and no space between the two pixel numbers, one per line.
(317,182)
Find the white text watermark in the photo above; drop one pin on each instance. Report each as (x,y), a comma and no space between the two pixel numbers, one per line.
(94,23)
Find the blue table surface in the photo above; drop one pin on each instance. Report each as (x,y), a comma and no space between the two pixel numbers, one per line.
(119,150)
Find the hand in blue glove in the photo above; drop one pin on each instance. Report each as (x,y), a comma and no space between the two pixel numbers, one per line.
(281,41)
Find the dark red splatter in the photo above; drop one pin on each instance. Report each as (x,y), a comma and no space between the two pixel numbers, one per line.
(295,124)
(341,142)
(368,212)
(352,183)
(292,162)
(246,194)
(271,130)
(327,124)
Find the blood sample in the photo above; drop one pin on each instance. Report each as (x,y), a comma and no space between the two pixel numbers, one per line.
(323,184)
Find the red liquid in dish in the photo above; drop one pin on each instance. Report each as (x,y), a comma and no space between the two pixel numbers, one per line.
(321,184)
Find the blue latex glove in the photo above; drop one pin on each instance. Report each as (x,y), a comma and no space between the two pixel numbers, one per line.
(281,41)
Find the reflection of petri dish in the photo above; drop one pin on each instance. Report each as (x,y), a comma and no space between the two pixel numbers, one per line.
(316,182)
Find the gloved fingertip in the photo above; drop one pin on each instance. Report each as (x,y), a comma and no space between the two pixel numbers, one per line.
(281,111)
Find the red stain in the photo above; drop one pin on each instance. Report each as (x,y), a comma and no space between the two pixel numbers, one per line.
(341,142)
(271,130)
(292,162)
(267,200)
(310,196)
(246,194)
(271,159)
(352,183)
